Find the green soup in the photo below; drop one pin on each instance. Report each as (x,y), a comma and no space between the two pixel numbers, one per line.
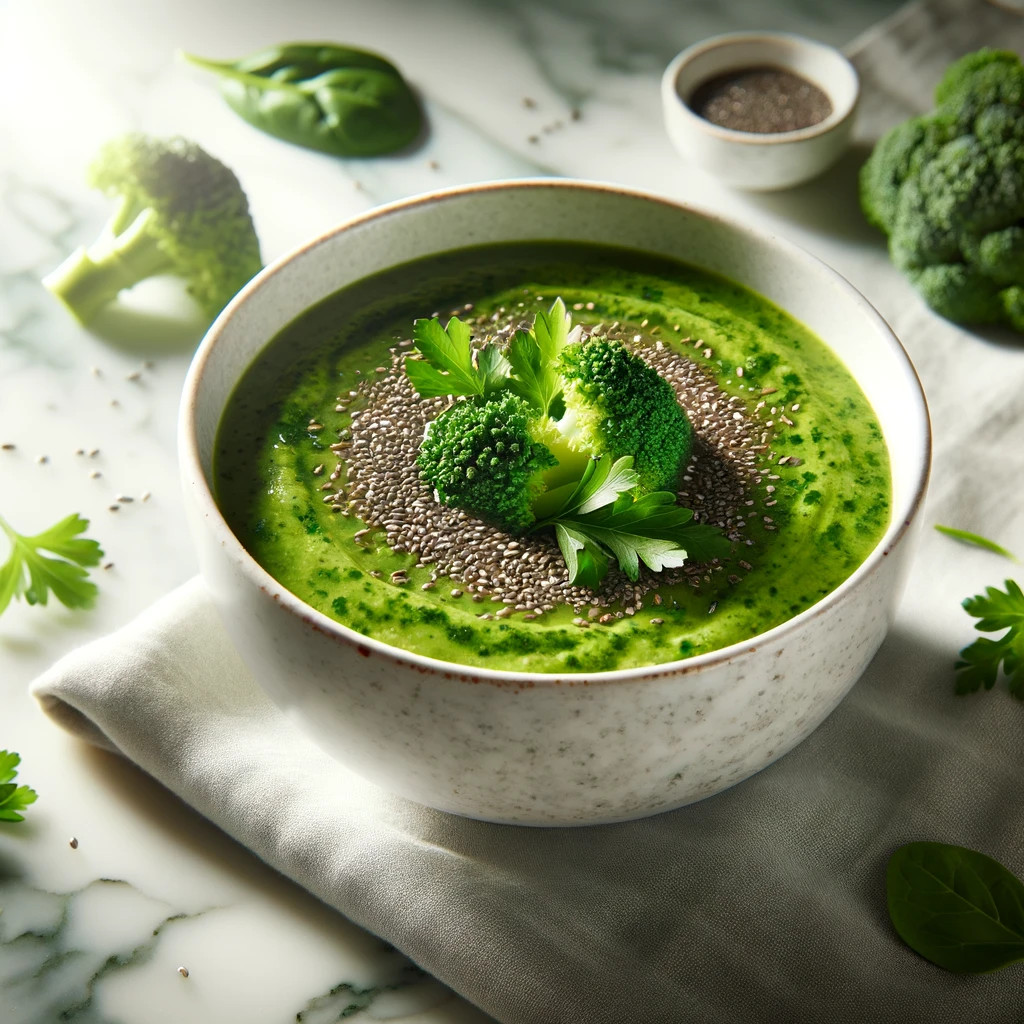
(813,502)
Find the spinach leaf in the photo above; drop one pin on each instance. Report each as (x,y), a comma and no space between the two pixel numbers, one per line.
(956,907)
(331,98)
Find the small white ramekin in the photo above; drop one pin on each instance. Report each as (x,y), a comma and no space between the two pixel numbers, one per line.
(753,160)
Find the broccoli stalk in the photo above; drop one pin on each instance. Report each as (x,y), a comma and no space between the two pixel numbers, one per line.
(180,212)
(947,188)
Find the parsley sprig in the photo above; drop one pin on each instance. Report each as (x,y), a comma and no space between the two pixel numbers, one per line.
(32,574)
(13,798)
(980,663)
(601,518)
(450,366)
(533,359)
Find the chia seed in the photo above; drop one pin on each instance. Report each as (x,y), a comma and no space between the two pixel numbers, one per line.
(762,100)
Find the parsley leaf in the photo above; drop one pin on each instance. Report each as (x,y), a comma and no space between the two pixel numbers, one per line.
(449,366)
(601,519)
(533,358)
(33,575)
(13,798)
(980,662)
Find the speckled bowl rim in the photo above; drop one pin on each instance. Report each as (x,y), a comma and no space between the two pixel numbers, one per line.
(675,102)
(192,465)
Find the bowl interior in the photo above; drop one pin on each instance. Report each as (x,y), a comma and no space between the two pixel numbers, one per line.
(559,210)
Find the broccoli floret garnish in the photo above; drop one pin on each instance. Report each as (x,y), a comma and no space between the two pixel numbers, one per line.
(618,405)
(487,459)
(180,212)
(947,188)
(547,436)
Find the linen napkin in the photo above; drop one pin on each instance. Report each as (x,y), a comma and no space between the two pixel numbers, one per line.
(763,904)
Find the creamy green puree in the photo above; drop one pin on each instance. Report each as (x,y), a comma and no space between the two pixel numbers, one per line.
(823,502)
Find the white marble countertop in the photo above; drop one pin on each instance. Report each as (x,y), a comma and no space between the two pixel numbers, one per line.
(96,930)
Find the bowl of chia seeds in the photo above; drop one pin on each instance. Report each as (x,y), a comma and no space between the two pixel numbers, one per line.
(455,660)
(760,110)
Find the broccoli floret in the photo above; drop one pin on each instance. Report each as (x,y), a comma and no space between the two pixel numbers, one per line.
(617,404)
(180,212)
(487,459)
(948,190)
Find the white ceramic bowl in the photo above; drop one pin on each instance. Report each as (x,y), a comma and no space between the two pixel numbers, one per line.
(753,160)
(548,749)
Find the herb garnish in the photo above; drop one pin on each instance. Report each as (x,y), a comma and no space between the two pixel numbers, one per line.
(13,798)
(450,366)
(958,908)
(980,662)
(976,539)
(601,519)
(33,575)
(335,99)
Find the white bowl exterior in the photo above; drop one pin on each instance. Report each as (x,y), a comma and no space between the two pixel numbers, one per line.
(760,162)
(530,748)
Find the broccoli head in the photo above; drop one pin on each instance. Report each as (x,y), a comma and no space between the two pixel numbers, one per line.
(180,211)
(487,459)
(947,188)
(616,404)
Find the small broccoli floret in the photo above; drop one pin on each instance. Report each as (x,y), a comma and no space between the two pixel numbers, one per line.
(180,212)
(486,458)
(618,405)
(948,190)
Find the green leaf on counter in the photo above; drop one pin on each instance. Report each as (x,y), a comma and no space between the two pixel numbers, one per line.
(332,98)
(32,574)
(956,907)
(976,540)
(13,798)
(980,663)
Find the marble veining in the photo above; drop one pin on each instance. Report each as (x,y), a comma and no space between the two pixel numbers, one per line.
(561,87)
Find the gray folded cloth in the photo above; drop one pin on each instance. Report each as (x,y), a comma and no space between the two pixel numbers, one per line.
(765,903)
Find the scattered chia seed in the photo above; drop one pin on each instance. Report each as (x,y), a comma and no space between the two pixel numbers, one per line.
(183,971)
(528,573)
(73,843)
(8,447)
